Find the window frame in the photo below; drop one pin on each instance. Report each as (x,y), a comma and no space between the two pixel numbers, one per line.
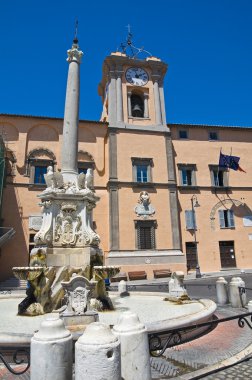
(226,219)
(213,139)
(187,167)
(216,169)
(136,162)
(183,131)
(84,165)
(152,225)
(38,162)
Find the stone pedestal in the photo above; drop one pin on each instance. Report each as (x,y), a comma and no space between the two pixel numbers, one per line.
(66,230)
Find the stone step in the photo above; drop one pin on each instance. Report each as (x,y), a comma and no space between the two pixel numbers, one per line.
(13,282)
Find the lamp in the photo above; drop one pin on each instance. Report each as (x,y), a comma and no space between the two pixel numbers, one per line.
(195,203)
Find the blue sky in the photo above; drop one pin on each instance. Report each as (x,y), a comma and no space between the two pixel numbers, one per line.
(206,43)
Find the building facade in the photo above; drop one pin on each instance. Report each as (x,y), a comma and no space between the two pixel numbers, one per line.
(164,202)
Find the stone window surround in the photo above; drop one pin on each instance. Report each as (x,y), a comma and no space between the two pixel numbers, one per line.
(226,219)
(149,223)
(143,94)
(187,134)
(213,168)
(193,169)
(32,163)
(213,139)
(141,161)
(34,160)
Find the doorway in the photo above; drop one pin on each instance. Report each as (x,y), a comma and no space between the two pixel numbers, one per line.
(227,254)
(191,259)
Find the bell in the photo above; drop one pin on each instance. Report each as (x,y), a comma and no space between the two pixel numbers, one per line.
(137,111)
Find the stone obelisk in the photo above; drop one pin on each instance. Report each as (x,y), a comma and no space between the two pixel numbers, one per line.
(66,235)
(71,116)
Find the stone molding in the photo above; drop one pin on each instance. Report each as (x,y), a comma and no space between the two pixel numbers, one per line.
(220,204)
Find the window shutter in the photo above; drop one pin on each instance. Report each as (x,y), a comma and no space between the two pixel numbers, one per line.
(189,220)
(222,219)
(230,216)
(225,178)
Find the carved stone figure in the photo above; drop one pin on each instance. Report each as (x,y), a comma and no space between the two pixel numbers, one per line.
(54,180)
(68,225)
(144,208)
(78,291)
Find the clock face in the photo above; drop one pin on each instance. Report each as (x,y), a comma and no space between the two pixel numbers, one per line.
(136,76)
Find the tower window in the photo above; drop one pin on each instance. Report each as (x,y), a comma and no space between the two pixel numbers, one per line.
(137,106)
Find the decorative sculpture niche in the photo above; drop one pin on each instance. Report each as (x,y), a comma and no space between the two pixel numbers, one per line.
(144,209)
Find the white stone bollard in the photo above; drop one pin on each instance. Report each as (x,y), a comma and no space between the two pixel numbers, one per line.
(250,306)
(52,351)
(222,291)
(135,355)
(97,354)
(122,288)
(234,294)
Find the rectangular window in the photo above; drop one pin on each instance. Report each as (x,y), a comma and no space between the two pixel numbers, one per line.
(190,220)
(219,176)
(142,173)
(226,219)
(187,174)
(213,136)
(183,134)
(39,175)
(186,177)
(142,169)
(145,234)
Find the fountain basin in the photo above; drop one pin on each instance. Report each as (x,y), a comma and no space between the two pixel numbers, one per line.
(27,273)
(159,315)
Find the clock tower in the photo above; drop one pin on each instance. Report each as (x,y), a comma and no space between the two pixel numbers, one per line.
(141,184)
(132,92)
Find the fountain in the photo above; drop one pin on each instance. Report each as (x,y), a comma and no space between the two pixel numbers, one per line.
(66,271)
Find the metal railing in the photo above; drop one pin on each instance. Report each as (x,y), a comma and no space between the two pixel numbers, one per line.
(20,355)
(159,342)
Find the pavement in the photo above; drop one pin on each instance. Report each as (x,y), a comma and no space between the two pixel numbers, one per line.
(221,354)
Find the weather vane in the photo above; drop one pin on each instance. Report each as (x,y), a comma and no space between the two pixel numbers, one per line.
(129,49)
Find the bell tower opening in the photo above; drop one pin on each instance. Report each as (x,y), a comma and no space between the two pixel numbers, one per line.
(137,106)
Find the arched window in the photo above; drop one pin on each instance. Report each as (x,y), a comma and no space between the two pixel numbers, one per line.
(36,164)
(137,105)
(85,161)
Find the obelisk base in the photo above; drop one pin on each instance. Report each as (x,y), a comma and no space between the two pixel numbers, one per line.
(73,257)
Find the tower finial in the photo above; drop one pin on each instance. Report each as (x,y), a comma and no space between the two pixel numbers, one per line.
(75,40)
(129,49)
